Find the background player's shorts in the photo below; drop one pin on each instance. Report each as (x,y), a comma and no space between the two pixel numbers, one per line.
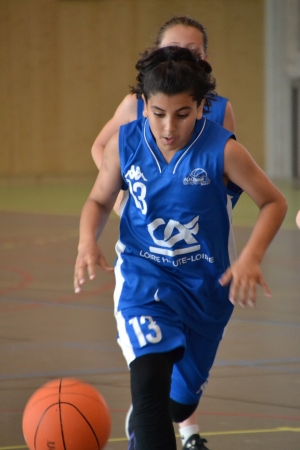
(155,328)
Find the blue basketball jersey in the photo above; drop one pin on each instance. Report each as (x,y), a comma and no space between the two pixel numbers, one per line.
(175,226)
(216,111)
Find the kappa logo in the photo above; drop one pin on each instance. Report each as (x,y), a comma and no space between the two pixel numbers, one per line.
(197,176)
(135,173)
(174,232)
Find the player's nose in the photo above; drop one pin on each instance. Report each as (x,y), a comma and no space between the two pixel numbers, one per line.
(169,125)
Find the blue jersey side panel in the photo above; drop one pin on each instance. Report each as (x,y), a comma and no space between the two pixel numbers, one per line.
(217,109)
(175,228)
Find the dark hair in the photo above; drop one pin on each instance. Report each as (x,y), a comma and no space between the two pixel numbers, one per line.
(181,20)
(174,70)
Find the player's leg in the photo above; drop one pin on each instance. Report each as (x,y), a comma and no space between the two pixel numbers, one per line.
(150,377)
(189,379)
(152,339)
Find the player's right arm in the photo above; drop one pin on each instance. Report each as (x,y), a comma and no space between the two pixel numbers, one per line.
(125,113)
(95,214)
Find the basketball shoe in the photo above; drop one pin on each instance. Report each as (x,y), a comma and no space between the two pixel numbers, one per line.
(195,442)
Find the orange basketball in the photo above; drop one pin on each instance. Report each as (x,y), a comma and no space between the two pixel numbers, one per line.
(66,414)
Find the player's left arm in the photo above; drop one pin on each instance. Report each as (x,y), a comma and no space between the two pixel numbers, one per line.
(229,121)
(245,273)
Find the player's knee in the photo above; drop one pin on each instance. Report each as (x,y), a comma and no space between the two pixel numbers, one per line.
(181,412)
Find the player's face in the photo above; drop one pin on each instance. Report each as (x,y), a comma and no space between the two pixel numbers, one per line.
(172,120)
(185,36)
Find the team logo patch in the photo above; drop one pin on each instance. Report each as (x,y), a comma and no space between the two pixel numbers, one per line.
(174,232)
(197,176)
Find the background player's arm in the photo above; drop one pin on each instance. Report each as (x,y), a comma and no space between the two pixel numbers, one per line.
(245,273)
(229,122)
(126,112)
(95,214)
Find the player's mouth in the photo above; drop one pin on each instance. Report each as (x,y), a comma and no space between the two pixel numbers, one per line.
(169,140)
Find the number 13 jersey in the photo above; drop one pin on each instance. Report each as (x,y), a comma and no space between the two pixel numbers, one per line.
(176,237)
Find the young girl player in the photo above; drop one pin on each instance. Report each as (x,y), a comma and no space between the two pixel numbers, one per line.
(177,278)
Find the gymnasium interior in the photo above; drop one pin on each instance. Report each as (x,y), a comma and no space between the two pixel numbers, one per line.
(66,66)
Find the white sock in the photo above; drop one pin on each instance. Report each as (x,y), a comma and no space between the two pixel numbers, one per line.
(187,432)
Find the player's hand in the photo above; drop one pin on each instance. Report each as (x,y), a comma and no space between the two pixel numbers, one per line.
(244,276)
(89,256)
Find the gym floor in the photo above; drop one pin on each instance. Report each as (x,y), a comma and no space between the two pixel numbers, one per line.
(46,331)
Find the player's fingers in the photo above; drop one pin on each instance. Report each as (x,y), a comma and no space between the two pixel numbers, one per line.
(251,301)
(79,280)
(91,268)
(234,291)
(104,265)
(265,287)
(243,294)
(226,277)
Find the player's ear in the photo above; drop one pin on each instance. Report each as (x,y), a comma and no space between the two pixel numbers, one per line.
(200,109)
(145,112)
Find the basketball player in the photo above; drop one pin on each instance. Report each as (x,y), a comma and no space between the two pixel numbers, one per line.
(176,274)
(182,31)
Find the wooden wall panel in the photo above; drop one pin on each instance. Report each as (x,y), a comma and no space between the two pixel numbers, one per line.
(66,65)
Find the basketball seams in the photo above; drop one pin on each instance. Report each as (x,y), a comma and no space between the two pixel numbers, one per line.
(60,415)
(59,403)
(40,421)
(74,400)
(86,420)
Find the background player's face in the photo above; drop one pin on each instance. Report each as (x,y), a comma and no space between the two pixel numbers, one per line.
(172,120)
(184,36)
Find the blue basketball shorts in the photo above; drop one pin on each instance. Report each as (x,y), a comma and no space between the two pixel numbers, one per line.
(155,328)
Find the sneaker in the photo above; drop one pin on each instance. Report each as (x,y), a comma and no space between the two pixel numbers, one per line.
(195,442)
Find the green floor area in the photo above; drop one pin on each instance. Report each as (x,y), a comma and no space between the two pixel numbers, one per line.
(67,198)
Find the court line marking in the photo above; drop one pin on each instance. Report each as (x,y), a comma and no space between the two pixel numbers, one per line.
(213,433)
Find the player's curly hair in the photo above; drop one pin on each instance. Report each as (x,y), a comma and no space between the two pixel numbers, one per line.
(174,70)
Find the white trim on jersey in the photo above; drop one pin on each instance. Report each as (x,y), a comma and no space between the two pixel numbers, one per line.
(190,145)
(123,338)
(124,201)
(120,248)
(153,154)
(145,137)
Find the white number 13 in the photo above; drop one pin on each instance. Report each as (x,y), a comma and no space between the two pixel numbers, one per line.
(139,199)
(153,337)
